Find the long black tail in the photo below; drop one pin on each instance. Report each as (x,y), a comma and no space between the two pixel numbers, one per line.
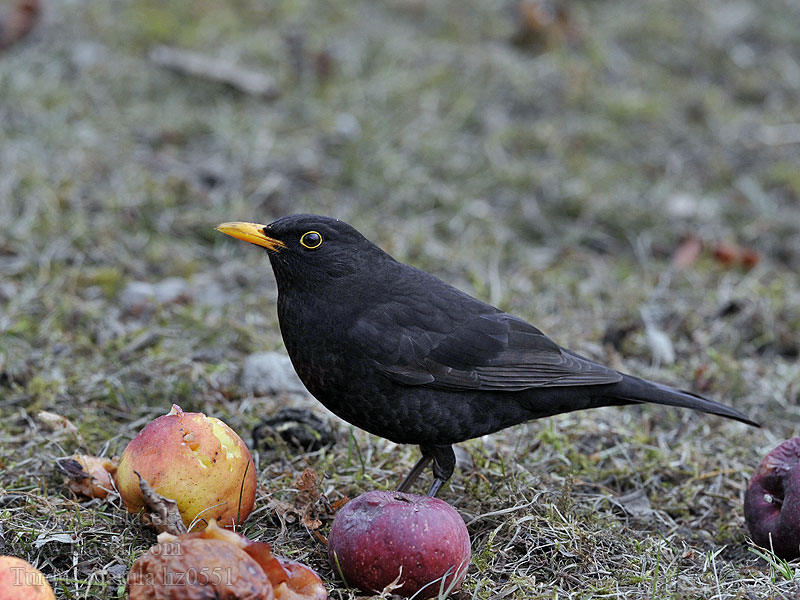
(635,389)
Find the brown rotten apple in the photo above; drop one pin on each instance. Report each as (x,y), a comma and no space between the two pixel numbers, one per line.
(217,563)
(196,460)
(383,537)
(772,501)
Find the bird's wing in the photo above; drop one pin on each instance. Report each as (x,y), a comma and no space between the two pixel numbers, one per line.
(494,351)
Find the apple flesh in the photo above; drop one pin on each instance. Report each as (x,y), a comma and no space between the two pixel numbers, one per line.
(378,534)
(20,580)
(772,501)
(196,460)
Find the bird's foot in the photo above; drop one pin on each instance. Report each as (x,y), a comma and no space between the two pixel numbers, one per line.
(435,487)
(418,468)
(444,461)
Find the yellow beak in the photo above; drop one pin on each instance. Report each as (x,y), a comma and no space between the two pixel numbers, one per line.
(251,232)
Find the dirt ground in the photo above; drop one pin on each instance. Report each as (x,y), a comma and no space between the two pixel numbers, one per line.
(625,175)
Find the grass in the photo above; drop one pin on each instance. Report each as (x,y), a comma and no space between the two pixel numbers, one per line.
(555,180)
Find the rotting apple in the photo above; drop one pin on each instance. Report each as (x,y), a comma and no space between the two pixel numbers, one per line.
(772,501)
(196,460)
(20,580)
(196,569)
(221,564)
(302,583)
(380,538)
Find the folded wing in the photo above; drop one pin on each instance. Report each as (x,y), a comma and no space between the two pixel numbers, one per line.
(494,351)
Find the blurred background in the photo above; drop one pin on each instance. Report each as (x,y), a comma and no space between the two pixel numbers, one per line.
(625,175)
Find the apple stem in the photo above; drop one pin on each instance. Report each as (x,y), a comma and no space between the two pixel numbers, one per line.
(772,499)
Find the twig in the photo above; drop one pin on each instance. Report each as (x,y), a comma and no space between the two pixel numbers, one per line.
(199,65)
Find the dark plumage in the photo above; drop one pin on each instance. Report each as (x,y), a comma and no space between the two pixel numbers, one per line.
(401,354)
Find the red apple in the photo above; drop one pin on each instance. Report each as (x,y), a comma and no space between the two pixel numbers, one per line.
(20,580)
(379,533)
(772,501)
(196,460)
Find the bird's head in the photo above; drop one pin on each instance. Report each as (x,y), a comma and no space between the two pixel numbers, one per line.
(309,250)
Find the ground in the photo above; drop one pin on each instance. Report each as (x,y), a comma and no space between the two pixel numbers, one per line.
(564,172)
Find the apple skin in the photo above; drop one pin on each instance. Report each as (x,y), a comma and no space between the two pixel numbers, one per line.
(772,501)
(196,460)
(20,580)
(377,533)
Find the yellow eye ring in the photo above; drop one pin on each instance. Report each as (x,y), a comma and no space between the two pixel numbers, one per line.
(311,240)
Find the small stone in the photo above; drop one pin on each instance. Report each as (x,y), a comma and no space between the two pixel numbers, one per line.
(137,295)
(266,373)
(7,291)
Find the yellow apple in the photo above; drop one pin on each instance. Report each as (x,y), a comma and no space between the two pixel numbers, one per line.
(196,460)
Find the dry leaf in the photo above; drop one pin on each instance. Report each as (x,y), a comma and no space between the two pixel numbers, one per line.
(55,422)
(729,254)
(337,504)
(164,515)
(543,22)
(726,253)
(310,518)
(306,485)
(87,475)
(308,496)
(750,258)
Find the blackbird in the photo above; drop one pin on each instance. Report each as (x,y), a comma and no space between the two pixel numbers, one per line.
(402,354)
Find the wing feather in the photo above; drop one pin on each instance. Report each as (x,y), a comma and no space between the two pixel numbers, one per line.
(494,351)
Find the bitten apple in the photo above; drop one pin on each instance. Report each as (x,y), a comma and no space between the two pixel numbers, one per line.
(772,501)
(20,580)
(379,533)
(196,460)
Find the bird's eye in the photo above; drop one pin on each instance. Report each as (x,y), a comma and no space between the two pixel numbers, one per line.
(311,240)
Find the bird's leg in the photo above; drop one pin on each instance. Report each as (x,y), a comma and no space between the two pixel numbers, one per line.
(421,465)
(444,462)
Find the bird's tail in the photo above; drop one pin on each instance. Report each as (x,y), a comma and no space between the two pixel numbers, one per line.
(635,390)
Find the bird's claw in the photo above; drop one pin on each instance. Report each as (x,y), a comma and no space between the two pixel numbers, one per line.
(435,487)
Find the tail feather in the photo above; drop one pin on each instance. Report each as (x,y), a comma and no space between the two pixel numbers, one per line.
(635,389)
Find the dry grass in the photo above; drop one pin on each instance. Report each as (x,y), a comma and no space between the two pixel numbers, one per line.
(555,180)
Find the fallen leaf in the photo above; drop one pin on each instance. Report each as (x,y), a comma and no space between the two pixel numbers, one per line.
(306,484)
(337,504)
(87,475)
(55,422)
(750,258)
(635,503)
(164,516)
(726,253)
(542,22)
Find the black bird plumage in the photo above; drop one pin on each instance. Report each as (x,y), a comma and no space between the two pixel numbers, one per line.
(402,354)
